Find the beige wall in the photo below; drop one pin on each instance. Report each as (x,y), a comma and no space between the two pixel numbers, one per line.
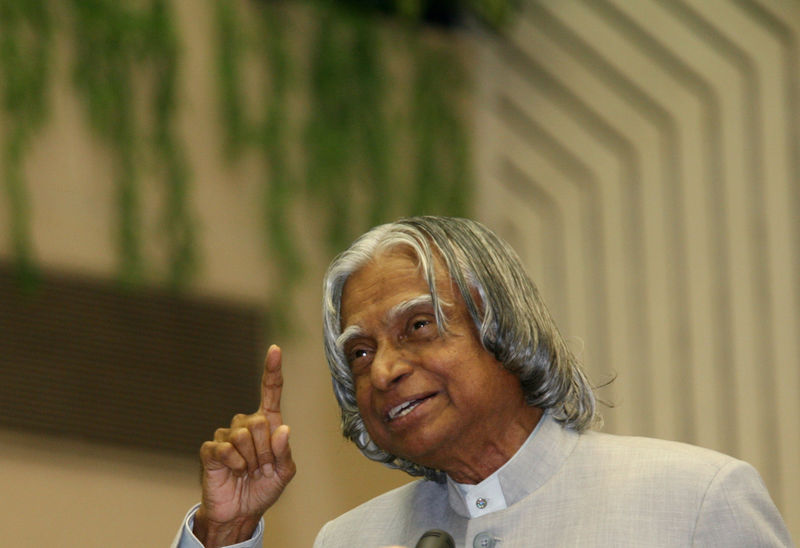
(585,185)
(69,493)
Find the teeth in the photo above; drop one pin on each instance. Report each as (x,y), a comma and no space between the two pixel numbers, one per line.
(403,409)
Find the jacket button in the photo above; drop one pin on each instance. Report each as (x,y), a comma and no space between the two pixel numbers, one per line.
(483,540)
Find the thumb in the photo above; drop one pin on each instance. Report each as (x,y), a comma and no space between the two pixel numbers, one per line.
(284,464)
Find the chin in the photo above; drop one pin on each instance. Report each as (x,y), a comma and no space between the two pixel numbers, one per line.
(421,452)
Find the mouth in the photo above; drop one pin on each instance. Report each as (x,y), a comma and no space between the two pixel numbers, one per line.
(405,408)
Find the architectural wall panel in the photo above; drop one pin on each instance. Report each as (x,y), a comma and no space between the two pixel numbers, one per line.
(668,132)
(83,358)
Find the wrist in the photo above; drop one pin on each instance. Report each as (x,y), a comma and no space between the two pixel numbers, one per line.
(215,534)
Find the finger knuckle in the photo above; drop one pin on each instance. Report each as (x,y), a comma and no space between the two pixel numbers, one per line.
(256,421)
(206,449)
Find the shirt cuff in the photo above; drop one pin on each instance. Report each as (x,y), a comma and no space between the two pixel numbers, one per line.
(186,538)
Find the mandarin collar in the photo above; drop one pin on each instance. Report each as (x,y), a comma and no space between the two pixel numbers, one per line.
(539,458)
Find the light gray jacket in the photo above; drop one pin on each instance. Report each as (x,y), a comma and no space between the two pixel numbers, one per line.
(591,489)
(565,489)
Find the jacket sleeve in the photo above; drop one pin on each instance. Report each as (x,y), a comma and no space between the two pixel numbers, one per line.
(186,539)
(738,511)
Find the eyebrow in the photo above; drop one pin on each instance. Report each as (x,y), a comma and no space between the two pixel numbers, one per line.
(354,331)
(350,332)
(403,307)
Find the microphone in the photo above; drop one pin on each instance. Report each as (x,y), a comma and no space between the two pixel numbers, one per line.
(436,538)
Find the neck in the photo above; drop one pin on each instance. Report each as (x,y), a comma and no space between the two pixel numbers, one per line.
(486,458)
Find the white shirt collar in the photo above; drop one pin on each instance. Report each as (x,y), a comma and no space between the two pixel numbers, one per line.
(488,496)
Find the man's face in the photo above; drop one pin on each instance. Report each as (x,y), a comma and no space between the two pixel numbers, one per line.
(439,400)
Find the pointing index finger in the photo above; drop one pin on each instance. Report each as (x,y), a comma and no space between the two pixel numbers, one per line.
(272,385)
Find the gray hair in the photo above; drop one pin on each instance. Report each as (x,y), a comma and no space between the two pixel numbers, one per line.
(512,320)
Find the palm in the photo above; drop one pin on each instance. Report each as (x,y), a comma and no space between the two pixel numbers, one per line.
(247,466)
(229,496)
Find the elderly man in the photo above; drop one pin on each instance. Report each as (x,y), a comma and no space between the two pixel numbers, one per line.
(447,365)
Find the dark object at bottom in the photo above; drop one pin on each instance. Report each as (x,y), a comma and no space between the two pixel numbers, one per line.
(436,538)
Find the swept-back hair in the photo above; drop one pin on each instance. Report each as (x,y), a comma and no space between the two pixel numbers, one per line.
(510,316)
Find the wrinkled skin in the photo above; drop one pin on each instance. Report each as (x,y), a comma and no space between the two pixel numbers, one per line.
(246,467)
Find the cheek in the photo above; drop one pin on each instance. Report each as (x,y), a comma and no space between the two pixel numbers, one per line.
(363,396)
(472,377)
(372,423)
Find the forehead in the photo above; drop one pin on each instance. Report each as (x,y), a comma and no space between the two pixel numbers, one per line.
(388,280)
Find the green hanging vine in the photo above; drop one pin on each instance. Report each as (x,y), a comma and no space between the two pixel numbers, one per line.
(348,145)
(497,13)
(355,161)
(113,42)
(109,45)
(441,145)
(230,49)
(25,42)
(371,122)
(266,133)
(277,191)
(176,220)
(349,129)
(329,136)
(116,43)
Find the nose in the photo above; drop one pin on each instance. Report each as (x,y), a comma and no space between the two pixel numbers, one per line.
(389,366)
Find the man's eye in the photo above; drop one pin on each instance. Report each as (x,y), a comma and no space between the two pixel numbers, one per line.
(357,356)
(419,324)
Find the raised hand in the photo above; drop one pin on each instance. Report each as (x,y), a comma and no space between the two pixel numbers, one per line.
(246,467)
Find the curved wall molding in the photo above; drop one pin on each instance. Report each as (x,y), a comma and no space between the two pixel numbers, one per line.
(654,148)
